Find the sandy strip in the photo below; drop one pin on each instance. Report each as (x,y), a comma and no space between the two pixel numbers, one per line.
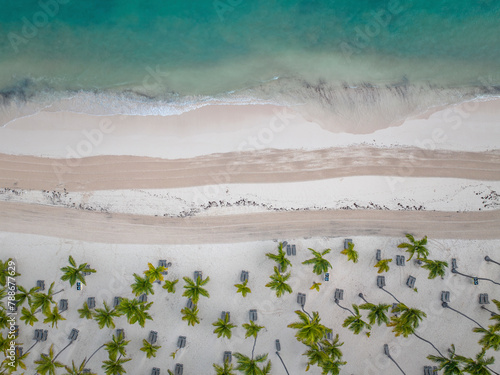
(129,172)
(123,228)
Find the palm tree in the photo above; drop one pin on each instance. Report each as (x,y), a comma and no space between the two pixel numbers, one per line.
(28,316)
(154,273)
(149,348)
(5,272)
(114,366)
(194,289)
(25,295)
(116,346)
(75,369)
(320,264)
(378,313)
(315,356)
(86,312)
(142,285)
(170,285)
(278,283)
(12,366)
(479,366)
(47,363)
(250,366)
(44,300)
(408,322)
(315,286)
(450,365)
(190,315)
(280,258)
(104,317)
(326,355)
(243,288)
(4,319)
(415,247)
(309,330)
(351,253)
(134,310)
(383,265)
(226,369)
(354,322)
(223,327)
(435,267)
(252,329)
(72,273)
(491,337)
(53,317)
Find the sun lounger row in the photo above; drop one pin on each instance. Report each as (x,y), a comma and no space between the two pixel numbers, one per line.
(179,369)
(41,335)
(301,299)
(224,314)
(227,357)
(291,250)
(411,282)
(63,305)
(86,273)
(378,256)
(153,337)
(198,274)
(252,315)
(430,370)
(339,294)
(73,335)
(120,333)
(445,296)
(347,241)
(163,263)
(380,281)
(41,285)
(400,260)
(189,303)
(278,345)
(155,371)
(91,302)
(483,299)
(244,276)
(181,342)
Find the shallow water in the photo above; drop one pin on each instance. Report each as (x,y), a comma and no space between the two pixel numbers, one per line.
(181,53)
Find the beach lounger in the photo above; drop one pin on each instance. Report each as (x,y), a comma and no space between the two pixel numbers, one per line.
(86,371)
(40,284)
(483,299)
(181,342)
(179,369)
(63,305)
(380,281)
(430,370)
(386,350)
(116,301)
(294,250)
(227,357)
(339,294)
(329,335)
(454,263)
(288,250)
(411,282)
(400,260)
(283,244)
(189,303)
(301,299)
(252,315)
(378,256)
(143,298)
(224,314)
(19,351)
(278,345)
(38,335)
(155,371)
(445,296)
(120,332)
(280,269)
(198,274)
(45,333)
(73,335)
(153,337)
(347,241)
(91,302)
(244,276)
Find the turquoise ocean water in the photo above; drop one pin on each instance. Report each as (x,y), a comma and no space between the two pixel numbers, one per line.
(139,54)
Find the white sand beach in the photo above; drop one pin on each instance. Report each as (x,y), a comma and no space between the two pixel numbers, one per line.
(216,188)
